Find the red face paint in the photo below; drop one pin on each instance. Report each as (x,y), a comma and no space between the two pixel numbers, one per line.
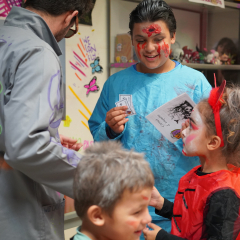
(159,50)
(165,49)
(145,198)
(184,153)
(194,127)
(139,49)
(190,138)
(132,223)
(154,28)
(143,46)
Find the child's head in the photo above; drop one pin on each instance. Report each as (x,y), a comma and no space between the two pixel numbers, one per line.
(202,129)
(152,27)
(226,48)
(112,189)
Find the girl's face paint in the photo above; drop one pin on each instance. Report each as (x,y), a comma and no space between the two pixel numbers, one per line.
(194,137)
(152,42)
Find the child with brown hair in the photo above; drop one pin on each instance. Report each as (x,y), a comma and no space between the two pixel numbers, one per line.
(207,202)
(112,190)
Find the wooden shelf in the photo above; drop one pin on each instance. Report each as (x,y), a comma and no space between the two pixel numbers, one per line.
(191,5)
(212,66)
(192,65)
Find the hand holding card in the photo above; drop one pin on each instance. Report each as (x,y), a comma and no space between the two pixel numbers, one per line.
(116,118)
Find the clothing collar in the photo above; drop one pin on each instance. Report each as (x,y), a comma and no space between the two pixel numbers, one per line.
(28,20)
(80,235)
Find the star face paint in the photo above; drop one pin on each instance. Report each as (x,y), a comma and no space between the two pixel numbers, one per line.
(153,28)
(152,42)
(194,137)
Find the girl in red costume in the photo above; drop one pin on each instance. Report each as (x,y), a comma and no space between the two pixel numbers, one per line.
(207,203)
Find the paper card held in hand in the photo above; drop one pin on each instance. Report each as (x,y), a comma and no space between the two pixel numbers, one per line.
(126,100)
(169,117)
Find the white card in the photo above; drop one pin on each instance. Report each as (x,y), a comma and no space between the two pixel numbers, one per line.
(124,103)
(128,97)
(169,117)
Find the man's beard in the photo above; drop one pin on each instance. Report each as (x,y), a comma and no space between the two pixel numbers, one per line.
(61,34)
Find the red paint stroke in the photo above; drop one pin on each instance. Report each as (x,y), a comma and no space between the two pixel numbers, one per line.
(190,138)
(132,223)
(159,50)
(78,69)
(82,44)
(145,198)
(165,49)
(139,49)
(154,28)
(78,77)
(143,46)
(184,153)
(80,59)
(194,127)
(81,50)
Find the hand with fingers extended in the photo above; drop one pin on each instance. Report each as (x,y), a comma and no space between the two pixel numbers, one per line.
(151,234)
(70,143)
(116,118)
(184,126)
(156,200)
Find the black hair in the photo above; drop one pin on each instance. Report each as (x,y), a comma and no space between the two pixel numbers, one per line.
(151,11)
(227,46)
(58,7)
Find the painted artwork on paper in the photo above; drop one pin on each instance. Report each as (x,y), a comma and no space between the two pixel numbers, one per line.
(181,111)
(6,6)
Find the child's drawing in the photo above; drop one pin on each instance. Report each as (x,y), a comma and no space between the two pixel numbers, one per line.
(181,112)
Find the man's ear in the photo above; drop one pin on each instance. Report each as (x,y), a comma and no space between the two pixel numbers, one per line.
(96,215)
(214,143)
(173,38)
(69,16)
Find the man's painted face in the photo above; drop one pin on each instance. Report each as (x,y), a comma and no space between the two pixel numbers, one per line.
(194,137)
(129,217)
(152,42)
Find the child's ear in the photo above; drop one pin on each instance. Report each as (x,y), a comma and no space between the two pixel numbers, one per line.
(96,215)
(173,38)
(214,143)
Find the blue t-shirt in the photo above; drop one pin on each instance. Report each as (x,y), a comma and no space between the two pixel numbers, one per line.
(80,236)
(150,91)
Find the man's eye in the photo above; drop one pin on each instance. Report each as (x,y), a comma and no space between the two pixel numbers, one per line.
(158,40)
(140,41)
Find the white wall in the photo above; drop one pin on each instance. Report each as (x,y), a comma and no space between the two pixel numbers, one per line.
(97,40)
